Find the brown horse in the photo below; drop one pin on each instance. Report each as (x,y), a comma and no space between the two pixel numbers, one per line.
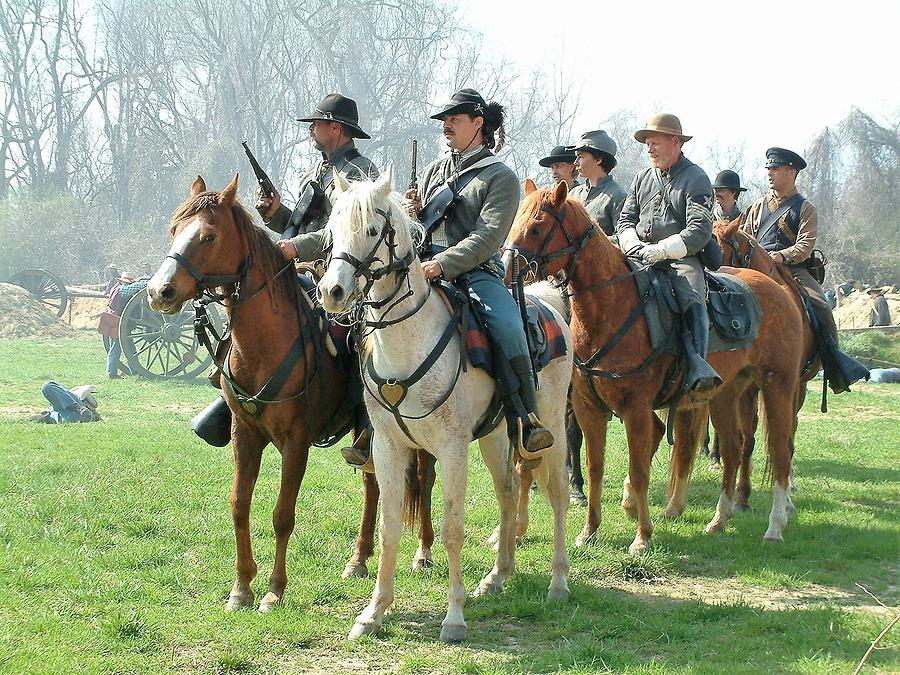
(742,250)
(216,245)
(555,235)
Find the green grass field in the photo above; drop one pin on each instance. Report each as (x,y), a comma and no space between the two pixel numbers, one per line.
(116,554)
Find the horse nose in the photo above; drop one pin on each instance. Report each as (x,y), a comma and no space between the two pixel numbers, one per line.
(336,293)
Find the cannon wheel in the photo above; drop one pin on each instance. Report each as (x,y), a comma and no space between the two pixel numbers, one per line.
(160,345)
(45,286)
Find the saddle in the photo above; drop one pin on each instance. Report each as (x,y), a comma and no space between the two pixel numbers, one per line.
(545,337)
(734,312)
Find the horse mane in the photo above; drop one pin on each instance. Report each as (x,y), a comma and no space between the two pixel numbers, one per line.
(355,209)
(259,244)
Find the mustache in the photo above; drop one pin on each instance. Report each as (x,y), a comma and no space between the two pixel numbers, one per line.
(449,132)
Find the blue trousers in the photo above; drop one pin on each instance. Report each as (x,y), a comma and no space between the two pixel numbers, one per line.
(498,310)
(113,359)
(62,400)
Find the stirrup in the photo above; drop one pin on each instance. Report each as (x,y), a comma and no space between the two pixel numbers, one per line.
(535,440)
(360,457)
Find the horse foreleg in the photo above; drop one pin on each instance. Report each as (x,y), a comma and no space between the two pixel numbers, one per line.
(594,426)
(749,416)
(728,423)
(454,474)
(494,449)
(690,425)
(644,430)
(779,400)
(293,467)
(390,466)
(365,539)
(574,440)
(426,477)
(248,446)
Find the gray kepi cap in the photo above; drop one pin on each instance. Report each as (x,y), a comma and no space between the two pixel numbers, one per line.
(597,141)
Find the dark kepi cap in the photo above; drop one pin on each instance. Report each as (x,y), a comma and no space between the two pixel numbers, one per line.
(464,101)
(781,157)
(560,153)
(337,108)
(729,180)
(597,141)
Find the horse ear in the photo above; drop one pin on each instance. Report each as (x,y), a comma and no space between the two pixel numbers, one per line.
(228,196)
(385,182)
(529,186)
(340,183)
(198,186)
(559,193)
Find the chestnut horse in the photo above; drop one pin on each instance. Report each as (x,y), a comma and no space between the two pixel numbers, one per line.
(556,234)
(216,245)
(742,250)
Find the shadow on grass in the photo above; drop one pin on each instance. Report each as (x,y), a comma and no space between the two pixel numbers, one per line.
(846,471)
(602,629)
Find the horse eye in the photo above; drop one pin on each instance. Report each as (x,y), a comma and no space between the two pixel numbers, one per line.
(372,231)
(208,238)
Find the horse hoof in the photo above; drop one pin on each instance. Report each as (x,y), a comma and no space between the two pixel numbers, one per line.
(360,629)
(772,537)
(453,634)
(488,587)
(422,564)
(269,602)
(714,526)
(578,499)
(355,570)
(558,595)
(638,547)
(670,513)
(584,538)
(238,601)
(742,506)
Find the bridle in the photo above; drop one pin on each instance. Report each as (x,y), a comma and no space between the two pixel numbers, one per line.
(574,247)
(738,259)
(399,266)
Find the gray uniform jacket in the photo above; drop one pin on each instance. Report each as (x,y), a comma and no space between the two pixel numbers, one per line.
(690,197)
(309,242)
(479,221)
(602,201)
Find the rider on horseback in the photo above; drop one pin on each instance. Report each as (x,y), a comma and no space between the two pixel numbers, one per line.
(786,225)
(464,244)
(668,216)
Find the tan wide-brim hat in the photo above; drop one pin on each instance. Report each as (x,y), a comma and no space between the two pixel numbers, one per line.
(661,123)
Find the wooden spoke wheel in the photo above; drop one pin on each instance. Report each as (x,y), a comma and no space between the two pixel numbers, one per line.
(161,345)
(44,286)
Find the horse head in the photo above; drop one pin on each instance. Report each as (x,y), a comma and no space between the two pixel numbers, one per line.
(740,249)
(372,239)
(549,231)
(203,253)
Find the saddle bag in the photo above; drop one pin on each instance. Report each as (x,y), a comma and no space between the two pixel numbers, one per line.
(729,312)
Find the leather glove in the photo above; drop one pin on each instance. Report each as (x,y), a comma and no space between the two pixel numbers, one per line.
(670,248)
(629,241)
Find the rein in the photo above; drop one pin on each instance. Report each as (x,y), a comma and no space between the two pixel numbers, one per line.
(391,392)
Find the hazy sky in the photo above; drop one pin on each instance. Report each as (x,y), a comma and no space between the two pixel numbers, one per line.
(763,73)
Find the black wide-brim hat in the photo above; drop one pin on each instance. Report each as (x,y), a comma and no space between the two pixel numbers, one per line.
(337,108)
(466,101)
(782,157)
(560,153)
(728,180)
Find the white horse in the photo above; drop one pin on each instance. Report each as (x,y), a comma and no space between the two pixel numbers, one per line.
(374,260)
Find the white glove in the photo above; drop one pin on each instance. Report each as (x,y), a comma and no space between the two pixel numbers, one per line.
(670,248)
(629,241)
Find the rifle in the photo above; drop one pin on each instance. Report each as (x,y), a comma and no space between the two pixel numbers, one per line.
(413,180)
(264,181)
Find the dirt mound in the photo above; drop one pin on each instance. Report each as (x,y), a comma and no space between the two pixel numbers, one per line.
(21,316)
(855,308)
(85,312)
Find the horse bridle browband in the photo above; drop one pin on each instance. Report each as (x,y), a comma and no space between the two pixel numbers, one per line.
(575,245)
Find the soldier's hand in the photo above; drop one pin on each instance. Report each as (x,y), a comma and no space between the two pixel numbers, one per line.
(432,269)
(287,248)
(267,206)
(412,203)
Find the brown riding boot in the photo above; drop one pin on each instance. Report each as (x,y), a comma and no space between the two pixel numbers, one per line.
(359,455)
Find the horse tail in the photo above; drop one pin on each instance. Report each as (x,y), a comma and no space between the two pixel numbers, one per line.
(413,496)
(552,295)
